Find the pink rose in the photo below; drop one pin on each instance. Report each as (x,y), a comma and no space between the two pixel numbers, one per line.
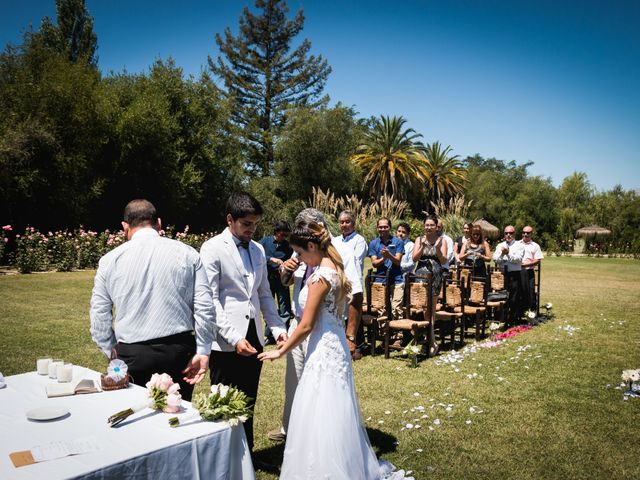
(173,403)
(173,388)
(7,228)
(164,382)
(153,382)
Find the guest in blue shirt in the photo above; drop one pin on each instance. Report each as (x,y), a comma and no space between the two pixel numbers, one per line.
(277,250)
(386,254)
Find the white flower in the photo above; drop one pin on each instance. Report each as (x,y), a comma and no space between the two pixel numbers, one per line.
(117,370)
(530,314)
(409,425)
(631,375)
(548,306)
(493,326)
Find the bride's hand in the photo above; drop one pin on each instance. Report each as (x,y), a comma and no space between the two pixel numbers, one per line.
(270,355)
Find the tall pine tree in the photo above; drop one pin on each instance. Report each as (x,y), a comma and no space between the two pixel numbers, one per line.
(73,35)
(265,78)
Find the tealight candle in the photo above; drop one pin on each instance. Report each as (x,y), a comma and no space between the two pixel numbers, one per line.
(42,366)
(53,365)
(64,372)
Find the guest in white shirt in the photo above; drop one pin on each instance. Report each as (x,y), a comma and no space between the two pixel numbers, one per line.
(450,251)
(353,249)
(508,255)
(532,257)
(164,317)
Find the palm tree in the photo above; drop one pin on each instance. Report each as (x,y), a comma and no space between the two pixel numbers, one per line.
(446,176)
(391,157)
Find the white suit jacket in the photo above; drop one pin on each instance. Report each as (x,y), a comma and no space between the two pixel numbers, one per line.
(234,293)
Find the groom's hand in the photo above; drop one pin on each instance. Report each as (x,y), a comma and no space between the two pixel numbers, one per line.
(195,370)
(282,339)
(244,348)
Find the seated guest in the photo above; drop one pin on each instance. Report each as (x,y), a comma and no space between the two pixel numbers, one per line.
(460,241)
(509,254)
(532,257)
(476,252)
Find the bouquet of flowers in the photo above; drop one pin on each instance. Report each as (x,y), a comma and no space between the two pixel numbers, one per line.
(548,307)
(162,395)
(531,315)
(412,351)
(223,403)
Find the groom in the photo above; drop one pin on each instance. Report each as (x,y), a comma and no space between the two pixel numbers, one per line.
(237,271)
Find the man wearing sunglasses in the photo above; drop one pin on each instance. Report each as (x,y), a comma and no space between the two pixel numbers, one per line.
(532,257)
(508,257)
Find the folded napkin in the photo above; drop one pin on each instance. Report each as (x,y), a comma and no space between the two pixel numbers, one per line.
(2,382)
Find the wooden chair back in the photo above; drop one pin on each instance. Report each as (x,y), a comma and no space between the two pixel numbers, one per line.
(497,278)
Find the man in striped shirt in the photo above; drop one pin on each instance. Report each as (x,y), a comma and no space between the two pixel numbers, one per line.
(164,316)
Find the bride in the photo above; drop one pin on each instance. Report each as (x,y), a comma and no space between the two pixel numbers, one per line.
(325,438)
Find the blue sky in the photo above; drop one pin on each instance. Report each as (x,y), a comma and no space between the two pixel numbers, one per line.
(552,82)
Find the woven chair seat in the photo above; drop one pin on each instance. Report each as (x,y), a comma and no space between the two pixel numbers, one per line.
(404,324)
(496,304)
(445,313)
(471,310)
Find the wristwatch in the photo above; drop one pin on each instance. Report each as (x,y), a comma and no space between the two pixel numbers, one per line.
(351,338)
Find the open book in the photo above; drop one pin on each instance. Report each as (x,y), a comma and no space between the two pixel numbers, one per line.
(63,389)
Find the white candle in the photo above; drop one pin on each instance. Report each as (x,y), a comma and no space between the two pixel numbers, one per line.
(53,364)
(42,366)
(64,372)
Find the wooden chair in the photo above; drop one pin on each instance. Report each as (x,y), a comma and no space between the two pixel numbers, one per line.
(418,306)
(450,316)
(475,309)
(376,310)
(497,283)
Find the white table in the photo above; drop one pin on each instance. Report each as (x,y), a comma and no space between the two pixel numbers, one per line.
(143,446)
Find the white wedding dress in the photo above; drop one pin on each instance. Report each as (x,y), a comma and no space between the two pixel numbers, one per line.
(326,438)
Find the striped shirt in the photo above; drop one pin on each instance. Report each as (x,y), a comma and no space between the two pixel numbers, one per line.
(158,287)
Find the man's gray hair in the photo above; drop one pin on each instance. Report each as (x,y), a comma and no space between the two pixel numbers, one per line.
(347,213)
(310,215)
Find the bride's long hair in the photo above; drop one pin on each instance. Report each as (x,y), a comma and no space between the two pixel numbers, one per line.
(315,232)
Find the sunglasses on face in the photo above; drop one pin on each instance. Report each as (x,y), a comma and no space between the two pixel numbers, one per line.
(526,233)
(509,233)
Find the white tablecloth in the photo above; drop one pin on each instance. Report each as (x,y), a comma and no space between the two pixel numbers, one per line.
(143,446)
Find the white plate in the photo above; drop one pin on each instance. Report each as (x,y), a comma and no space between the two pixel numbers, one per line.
(47,413)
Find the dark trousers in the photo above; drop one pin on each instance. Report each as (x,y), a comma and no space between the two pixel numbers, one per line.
(514,287)
(229,368)
(168,355)
(529,298)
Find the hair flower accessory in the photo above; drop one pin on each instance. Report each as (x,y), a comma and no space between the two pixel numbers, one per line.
(225,403)
(162,394)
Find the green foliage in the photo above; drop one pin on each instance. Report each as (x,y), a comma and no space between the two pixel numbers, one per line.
(391,158)
(313,151)
(31,251)
(265,78)
(73,35)
(445,176)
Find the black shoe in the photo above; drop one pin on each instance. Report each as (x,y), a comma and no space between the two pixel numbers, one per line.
(264,466)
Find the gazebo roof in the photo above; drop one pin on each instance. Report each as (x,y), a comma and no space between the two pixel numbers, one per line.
(593,231)
(490,231)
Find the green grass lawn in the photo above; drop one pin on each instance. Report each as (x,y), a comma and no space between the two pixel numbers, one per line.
(543,405)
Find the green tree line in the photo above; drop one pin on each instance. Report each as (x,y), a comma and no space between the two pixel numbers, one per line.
(76,144)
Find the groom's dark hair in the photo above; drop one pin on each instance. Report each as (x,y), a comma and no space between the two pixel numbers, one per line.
(242,204)
(140,212)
